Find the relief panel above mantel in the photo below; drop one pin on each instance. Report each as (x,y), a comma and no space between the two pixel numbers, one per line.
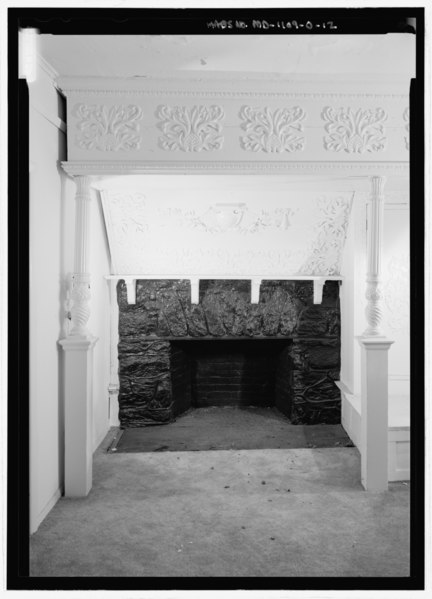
(202,234)
(153,121)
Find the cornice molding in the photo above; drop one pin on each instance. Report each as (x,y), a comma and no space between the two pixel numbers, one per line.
(48,69)
(95,167)
(233,93)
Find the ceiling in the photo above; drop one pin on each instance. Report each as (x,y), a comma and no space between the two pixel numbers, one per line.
(391,55)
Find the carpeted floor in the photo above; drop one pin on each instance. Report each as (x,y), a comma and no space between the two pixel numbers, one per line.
(215,428)
(264,512)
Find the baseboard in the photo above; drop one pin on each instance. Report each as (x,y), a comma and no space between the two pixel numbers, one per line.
(101,437)
(399,455)
(45,511)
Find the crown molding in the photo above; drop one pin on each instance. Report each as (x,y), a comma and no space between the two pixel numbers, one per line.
(236,94)
(94,167)
(205,86)
(49,70)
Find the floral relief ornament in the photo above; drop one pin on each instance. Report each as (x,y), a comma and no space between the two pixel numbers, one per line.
(354,132)
(190,129)
(269,130)
(108,128)
(326,250)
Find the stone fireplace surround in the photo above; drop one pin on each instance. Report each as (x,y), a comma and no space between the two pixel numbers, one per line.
(155,361)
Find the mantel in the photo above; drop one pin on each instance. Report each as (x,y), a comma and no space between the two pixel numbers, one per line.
(256,280)
(106,168)
(160,125)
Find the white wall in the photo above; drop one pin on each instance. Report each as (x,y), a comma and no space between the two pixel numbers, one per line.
(99,322)
(396,288)
(48,219)
(52,219)
(352,295)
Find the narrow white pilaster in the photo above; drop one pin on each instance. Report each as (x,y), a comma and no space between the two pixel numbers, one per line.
(374,246)
(78,415)
(78,364)
(374,413)
(80,311)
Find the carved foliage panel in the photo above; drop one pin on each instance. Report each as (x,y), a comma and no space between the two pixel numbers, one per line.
(278,130)
(285,127)
(156,235)
(108,128)
(354,131)
(190,129)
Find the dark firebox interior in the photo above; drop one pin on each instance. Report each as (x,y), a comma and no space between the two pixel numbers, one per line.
(236,373)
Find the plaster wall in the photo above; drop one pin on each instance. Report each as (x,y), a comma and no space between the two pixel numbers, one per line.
(352,294)
(229,226)
(52,223)
(99,321)
(49,229)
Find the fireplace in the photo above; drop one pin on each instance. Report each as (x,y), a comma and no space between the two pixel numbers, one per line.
(233,372)
(282,352)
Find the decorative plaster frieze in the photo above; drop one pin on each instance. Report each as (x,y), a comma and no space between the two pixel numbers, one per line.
(108,129)
(223,217)
(354,132)
(190,129)
(269,130)
(298,237)
(329,236)
(406,118)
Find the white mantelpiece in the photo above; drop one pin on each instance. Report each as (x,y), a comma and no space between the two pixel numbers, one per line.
(167,122)
(145,126)
(130,281)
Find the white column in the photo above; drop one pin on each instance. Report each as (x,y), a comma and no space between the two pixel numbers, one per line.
(78,363)
(374,360)
(81,277)
(374,413)
(374,245)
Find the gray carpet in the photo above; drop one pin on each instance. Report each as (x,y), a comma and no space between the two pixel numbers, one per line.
(267,512)
(217,428)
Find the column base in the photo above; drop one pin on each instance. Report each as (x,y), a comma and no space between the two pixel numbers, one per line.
(78,410)
(374,412)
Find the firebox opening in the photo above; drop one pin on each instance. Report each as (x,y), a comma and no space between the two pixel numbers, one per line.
(235,373)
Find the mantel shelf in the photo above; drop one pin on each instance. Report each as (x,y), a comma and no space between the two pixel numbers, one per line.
(256,280)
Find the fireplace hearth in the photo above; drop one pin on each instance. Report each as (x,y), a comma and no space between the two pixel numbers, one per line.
(225,351)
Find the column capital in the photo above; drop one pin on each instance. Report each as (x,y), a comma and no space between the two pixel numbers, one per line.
(377,187)
(82,183)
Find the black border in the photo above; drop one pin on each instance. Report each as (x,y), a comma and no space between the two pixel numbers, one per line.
(75,21)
